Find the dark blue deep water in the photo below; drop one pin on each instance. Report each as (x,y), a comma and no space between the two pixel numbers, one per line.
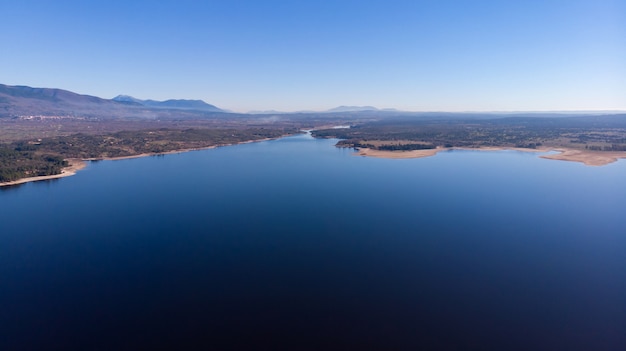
(296,244)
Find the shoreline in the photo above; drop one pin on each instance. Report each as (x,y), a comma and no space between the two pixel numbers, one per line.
(77,164)
(180,151)
(588,158)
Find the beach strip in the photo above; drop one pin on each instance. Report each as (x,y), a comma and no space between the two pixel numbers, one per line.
(589,158)
(397,154)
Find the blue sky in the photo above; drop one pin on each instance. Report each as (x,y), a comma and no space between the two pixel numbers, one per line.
(436,55)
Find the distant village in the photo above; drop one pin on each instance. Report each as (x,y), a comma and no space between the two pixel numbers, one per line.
(43,117)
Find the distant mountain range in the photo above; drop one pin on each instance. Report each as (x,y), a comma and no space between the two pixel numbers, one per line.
(352,109)
(24,101)
(19,93)
(332,110)
(197,105)
(17,101)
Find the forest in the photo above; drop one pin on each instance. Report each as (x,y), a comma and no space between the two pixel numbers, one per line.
(19,162)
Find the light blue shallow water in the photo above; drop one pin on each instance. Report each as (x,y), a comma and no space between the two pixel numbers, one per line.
(298,244)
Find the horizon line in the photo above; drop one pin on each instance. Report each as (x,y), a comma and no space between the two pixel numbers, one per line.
(356,108)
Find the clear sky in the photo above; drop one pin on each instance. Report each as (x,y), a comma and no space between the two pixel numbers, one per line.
(436,55)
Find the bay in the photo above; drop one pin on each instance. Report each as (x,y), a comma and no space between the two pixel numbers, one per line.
(296,244)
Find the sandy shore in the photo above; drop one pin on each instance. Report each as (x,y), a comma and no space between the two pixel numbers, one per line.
(75,165)
(397,154)
(589,158)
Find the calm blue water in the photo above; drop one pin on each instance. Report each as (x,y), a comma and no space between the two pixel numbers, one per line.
(297,244)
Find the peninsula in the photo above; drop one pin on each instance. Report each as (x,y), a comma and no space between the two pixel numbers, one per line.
(593,140)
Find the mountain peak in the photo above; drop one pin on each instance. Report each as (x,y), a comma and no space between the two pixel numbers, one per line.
(352,109)
(126,98)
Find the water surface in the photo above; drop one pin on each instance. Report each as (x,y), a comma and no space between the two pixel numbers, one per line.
(296,244)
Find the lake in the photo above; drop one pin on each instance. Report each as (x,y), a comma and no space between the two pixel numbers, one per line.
(296,244)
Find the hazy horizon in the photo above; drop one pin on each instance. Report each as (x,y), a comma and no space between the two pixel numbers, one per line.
(419,56)
(349,108)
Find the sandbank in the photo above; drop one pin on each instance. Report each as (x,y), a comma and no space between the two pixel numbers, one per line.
(589,158)
(397,154)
